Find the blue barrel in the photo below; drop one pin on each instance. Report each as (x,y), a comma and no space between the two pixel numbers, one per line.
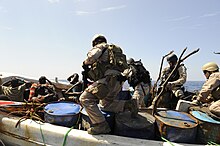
(209,128)
(62,113)
(142,126)
(177,126)
(86,122)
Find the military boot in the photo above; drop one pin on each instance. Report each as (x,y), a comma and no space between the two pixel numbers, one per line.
(131,105)
(100,128)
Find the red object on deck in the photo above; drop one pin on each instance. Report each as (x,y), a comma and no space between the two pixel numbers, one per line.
(6,102)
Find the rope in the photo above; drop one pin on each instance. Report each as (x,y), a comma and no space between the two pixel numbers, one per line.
(213,143)
(42,135)
(65,136)
(167,141)
(2,142)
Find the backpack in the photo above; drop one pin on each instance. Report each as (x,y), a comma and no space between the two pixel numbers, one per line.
(117,61)
(142,74)
(117,58)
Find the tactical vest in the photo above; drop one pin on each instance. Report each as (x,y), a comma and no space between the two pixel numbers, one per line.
(175,76)
(140,74)
(216,94)
(116,61)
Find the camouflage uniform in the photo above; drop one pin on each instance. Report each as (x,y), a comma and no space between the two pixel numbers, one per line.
(174,85)
(177,79)
(210,93)
(140,91)
(104,89)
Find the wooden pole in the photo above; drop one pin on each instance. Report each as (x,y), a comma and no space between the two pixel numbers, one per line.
(161,65)
(166,81)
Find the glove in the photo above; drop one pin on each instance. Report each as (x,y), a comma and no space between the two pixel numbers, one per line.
(85,67)
(196,102)
(169,86)
(194,97)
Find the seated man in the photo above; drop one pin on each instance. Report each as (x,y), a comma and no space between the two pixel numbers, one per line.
(14,89)
(43,91)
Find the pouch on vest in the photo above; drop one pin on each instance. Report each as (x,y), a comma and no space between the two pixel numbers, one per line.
(97,71)
(216,94)
(117,58)
(142,73)
(117,61)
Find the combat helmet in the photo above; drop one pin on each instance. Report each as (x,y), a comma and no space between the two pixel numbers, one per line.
(172,58)
(130,61)
(210,66)
(97,39)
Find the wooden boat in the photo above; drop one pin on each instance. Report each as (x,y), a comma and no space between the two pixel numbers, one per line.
(31,133)
(59,86)
(35,133)
(7,76)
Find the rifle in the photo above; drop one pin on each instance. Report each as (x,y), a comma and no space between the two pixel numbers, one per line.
(85,76)
(166,81)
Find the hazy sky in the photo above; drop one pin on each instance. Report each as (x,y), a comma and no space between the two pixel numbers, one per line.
(52,37)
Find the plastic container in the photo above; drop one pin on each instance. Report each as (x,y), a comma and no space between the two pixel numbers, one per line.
(208,129)
(177,126)
(142,126)
(62,113)
(86,122)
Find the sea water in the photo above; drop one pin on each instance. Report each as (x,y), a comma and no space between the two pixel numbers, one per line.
(189,85)
(193,85)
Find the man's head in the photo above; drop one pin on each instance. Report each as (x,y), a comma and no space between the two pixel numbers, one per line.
(14,82)
(42,80)
(172,60)
(97,39)
(130,61)
(209,68)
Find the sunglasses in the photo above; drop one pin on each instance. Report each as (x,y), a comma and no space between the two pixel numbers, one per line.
(204,72)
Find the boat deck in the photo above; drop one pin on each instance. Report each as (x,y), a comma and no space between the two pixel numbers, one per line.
(32,133)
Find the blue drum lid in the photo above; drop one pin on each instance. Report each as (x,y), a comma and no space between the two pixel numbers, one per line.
(204,117)
(176,119)
(176,115)
(62,108)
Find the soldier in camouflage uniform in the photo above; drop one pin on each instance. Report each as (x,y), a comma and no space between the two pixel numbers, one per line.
(107,83)
(136,80)
(210,92)
(174,85)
